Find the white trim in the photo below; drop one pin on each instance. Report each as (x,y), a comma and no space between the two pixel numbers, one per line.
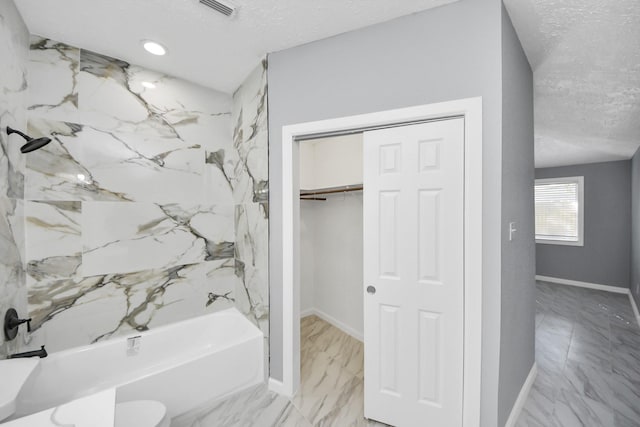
(634,307)
(607,288)
(308,312)
(333,321)
(471,110)
(558,242)
(276,386)
(522,397)
(571,179)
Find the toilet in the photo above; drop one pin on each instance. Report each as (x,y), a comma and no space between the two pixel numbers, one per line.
(141,413)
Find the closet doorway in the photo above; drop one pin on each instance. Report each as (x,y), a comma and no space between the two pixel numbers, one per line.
(331,232)
(331,277)
(404,145)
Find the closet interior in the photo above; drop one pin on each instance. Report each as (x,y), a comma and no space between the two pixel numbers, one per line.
(331,269)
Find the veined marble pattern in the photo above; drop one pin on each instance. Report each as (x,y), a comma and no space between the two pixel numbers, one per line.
(158,236)
(250,138)
(112,97)
(53,230)
(84,163)
(14,49)
(99,307)
(14,42)
(143,185)
(12,286)
(588,357)
(109,94)
(252,262)
(219,176)
(331,394)
(246,170)
(53,77)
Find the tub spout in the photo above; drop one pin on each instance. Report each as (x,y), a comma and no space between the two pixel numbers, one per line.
(37,353)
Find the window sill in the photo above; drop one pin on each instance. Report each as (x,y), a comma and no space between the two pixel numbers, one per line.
(559,242)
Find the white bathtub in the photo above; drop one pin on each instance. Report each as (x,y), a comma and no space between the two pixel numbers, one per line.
(181,365)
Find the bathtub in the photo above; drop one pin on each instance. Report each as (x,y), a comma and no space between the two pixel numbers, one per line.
(182,365)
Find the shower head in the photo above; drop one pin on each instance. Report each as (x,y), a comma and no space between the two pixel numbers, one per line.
(32,144)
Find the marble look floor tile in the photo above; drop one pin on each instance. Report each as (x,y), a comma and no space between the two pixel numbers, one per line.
(331,340)
(626,365)
(557,324)
(572,409)
(551,359)
(622,421)
(352,357)
(321,390)
(312,327)
(256,406)
(589,381)
(539,406)
(592,329)
(346,350)
(350,410)
(625,338)
(588,356)
(291,417)
(525,420)
(626,397)
(539,317)
(331,392)
(594,355)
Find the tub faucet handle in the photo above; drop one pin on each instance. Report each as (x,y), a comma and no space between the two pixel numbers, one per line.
(11,323)
(18,322)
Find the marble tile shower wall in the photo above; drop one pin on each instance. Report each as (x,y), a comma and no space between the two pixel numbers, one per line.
(250,143)
(14,50)
(141,211)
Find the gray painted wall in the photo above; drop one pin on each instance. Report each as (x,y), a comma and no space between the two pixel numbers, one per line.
(517,335)
(518,256)
(606,254)
(447,53)
(635,227)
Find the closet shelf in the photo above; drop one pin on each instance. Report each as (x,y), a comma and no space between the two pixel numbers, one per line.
(311,194)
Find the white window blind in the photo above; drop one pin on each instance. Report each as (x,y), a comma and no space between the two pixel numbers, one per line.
(559,210)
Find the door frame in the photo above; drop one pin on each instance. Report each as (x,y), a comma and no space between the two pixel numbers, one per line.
(471,110)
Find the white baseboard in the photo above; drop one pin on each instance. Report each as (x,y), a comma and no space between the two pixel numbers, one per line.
(335,322)
(635,308)
(276,386)
(587,285)
(607,288)
(522,397)
(307,312)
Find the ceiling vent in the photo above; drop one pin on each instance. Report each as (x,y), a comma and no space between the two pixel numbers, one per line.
(224,8)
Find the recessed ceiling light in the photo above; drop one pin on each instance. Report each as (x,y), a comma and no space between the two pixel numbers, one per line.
(154,47)
(148,85)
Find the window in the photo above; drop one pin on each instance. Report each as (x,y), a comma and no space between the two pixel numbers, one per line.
(559,210)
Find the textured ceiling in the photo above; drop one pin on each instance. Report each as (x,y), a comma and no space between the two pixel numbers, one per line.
(586,60)
(204,46)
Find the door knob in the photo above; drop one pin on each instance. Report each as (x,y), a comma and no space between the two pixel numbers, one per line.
(371,290)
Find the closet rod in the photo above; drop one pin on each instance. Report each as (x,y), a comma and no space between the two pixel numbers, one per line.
(332,190)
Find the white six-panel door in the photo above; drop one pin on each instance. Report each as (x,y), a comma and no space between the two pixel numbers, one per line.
(413,274)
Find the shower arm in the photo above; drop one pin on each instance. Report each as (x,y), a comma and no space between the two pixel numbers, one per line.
(11,130)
